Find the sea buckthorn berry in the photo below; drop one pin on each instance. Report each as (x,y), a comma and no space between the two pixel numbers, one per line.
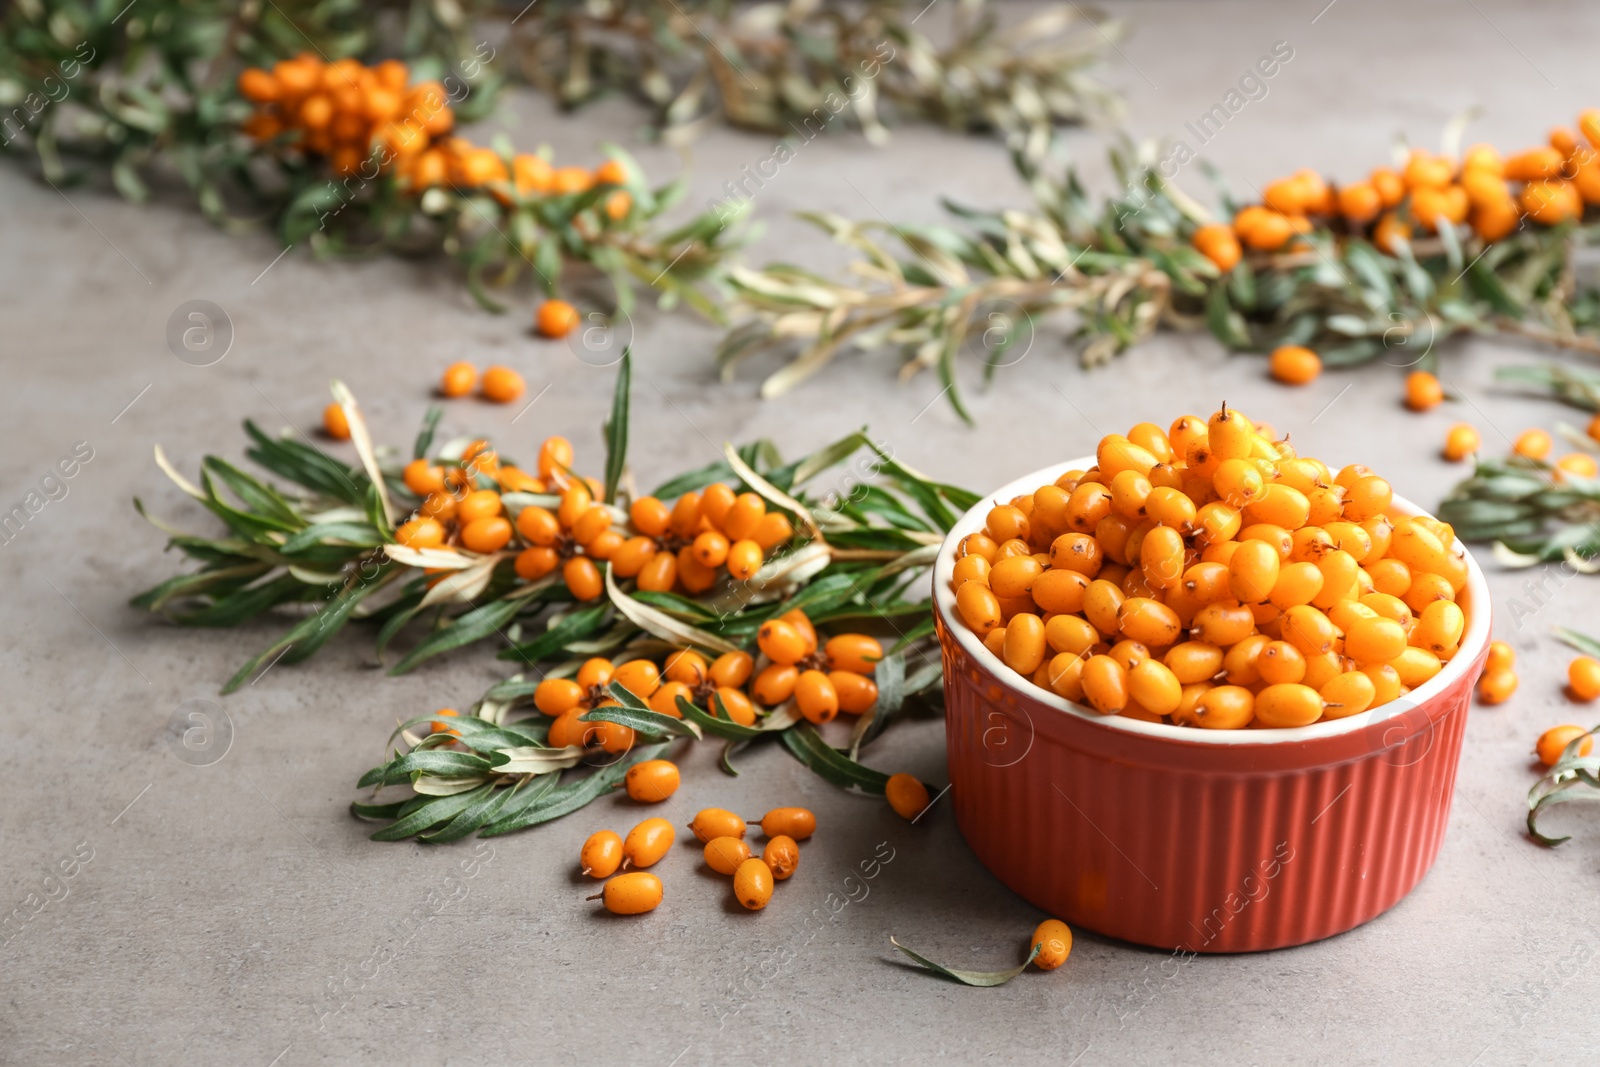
(1014,576)
(1374,640)
(857,692)
(1339,571)
(685,665)
(906,795)
(1423,391)
(818,701)
(797,823)
(1583,678)
(612,737)
(502,385)
(1129,490)
(743,559)
(1439,628)
(685,515)
(715,500)
(1577,465)
(421,532)
(1161,557)
(773,530)
(1054,940)
(743,516)
(1115,454)
(479,504)
(732,669)
(1006,522)
(1064,675)
(659,573)
(1367,498)
(1217,521)
(1088,504)
(334,423)
(775,683)
(978,545)
(1024,647)
(1424,589)
(594,521)
(650,516)
(423,478)
(1554,741)
(1224,707)
(581,575)
(802,625)
(1415,666)
(538,526)
(853,652)
(1129,653)
(648,842)
(1253,571)
(736,706)
(556,696)
(556,318)
(596,672)
(1237,482)
(752,884)
(631,555)
(1102,602)
(1532,444)
(1288,705)
(693,575)
(1297,583)
(1279,663)
(1216,241)
(978,606)
(1169,507)
(1070,633)
(1014,547)
(458,379)
(782,642)
(1496,687)
(1154,687)
(1193,661)
(1308,629)
(724,854)
(632,894)
(1224,624)
(568,732)
(1461,441)
(441,728)
(1230,434)
(486,535)
(601,854)
(1105,684)
(1295,364)
(968,568)
(710,548)
(652,781)
(717,822)
(1148,621)
(782,856)
(639,677)
(664,701)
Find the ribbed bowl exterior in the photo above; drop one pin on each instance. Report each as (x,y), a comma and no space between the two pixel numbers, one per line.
(1273,838)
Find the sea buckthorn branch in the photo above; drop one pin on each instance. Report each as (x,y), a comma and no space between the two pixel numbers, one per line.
(1532,510)
(778,67)
(1393,264)
(128,90)
(467,546)
(1573,777)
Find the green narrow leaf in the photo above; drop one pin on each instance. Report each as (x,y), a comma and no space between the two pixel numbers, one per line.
(429,814)
(475,625)
(636,715)
(565,799)
(807,746)
(972,978)
(430,424)
(617,427)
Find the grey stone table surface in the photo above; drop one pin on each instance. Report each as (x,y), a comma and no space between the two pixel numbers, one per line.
(234,913)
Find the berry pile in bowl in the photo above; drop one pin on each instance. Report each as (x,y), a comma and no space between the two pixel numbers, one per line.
(1206,576)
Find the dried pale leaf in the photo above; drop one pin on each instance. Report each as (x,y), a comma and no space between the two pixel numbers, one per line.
(661,624)
(177,479)
(362,440)
(429,785)
(430,558)
(771,492)
(462,586)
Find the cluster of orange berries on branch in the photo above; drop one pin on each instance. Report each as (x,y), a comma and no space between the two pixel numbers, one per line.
(1489,193)
(736,686)
(346,111)
(1206,575)
(342,110)
(726,852)
(686,546)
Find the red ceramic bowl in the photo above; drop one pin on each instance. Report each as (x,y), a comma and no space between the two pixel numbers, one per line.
(1189,839)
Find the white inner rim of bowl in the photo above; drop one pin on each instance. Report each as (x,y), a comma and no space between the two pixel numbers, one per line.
(1474,595)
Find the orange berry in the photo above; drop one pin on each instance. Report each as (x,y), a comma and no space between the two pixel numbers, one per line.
(556,318)
(1216,241)
(652,781)
(1390,231)
(582,578)
(1270,232)
(1461,441)
(502,385)
(1294,365)
(1583,677)
(1423,391)
(1360,202)
(421,532)
(1532,444)
(1554,741)
(611,172)
(815,696)
(906,795)
(568,180)
(486,535)
(1551,202)
(531,174)
(334,423)
(1577,465)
